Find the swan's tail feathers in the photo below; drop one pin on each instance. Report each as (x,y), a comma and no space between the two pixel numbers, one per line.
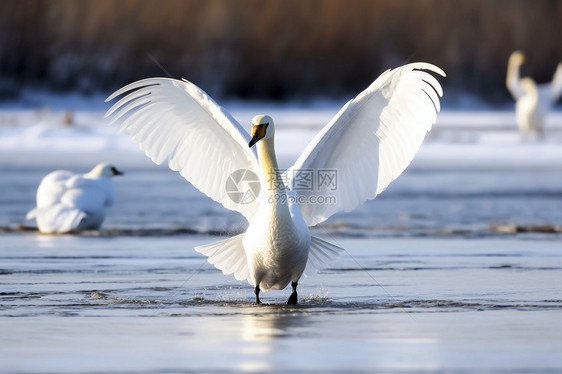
(557,84)
(228,256)
(320,255)
(57,218)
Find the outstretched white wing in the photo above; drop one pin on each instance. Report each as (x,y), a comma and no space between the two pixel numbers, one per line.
(176,121)
(555,87)
(367,144)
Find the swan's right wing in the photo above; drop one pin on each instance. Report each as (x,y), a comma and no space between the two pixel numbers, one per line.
(367,144)
(176,121)
(550,92)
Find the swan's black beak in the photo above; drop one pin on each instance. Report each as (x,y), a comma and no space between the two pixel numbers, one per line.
(254,139)
(116,172)
(258,132)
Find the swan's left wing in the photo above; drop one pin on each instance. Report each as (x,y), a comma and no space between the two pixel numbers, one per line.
(367,144)
(176,121)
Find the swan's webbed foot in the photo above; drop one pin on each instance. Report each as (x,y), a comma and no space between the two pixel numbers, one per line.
(293,299)
(257,292)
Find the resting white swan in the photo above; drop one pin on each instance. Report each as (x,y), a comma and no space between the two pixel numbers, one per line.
(68,202)
(368,144)
(532,101)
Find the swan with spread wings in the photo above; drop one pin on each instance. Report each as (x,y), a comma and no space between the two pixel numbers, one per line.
(368,144)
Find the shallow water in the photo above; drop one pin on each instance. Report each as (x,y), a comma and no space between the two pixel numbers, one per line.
(98,304)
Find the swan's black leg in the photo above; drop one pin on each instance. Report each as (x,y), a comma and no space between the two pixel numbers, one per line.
(293,299)
(257,292)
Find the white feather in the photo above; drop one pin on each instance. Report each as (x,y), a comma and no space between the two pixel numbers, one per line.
(176,121)
(321,254)
(370,141)
(227,255)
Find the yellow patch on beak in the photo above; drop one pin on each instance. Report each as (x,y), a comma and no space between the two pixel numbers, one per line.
(258,132)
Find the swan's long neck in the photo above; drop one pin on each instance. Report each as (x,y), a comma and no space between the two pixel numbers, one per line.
(513,79)
(513,73)
(266,155)
(274,189)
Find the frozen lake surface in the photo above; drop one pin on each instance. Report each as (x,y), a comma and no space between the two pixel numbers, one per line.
(438,276)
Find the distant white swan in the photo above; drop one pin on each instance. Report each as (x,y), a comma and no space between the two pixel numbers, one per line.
(367,145)
(532,101)
(69,202)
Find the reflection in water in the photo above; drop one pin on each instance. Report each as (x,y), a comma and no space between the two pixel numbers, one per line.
(262,335)
(47,241)
(270,334)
